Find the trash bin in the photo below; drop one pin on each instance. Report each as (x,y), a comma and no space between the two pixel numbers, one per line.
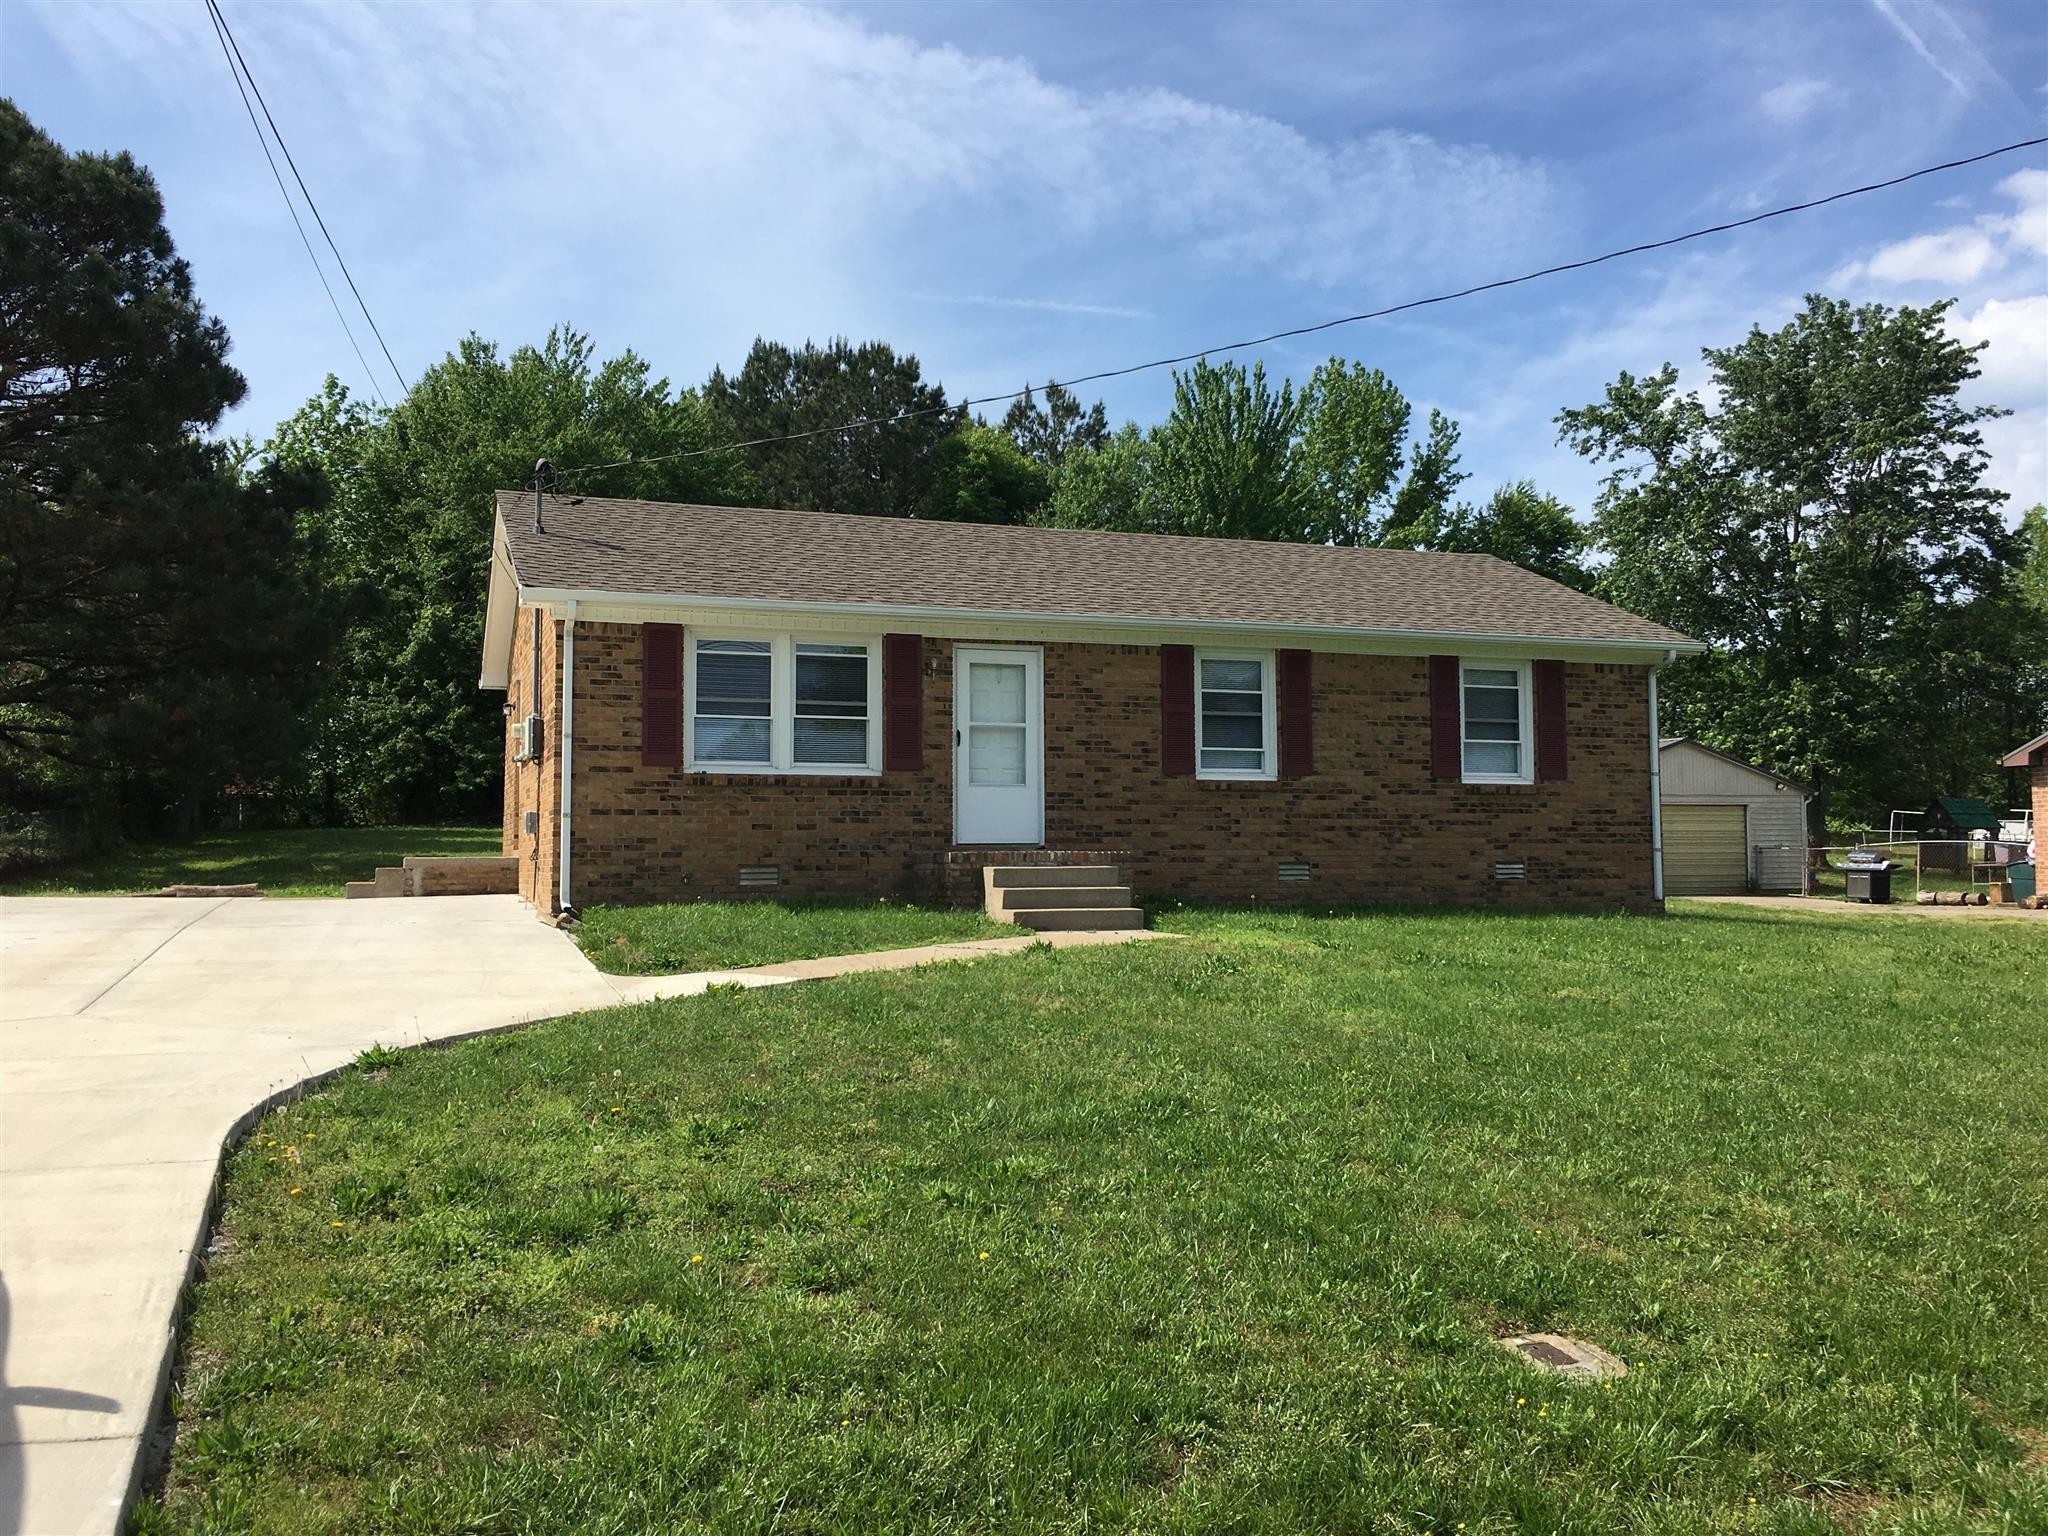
(2021,878)
(1868,877)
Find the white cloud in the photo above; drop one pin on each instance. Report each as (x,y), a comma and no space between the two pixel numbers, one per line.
(2028,228)
(1786,104)
(1948,257)
(1963,253)
(2019,458)
(831,131)
(2015,364)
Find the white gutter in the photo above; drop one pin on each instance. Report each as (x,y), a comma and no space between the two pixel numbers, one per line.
(568,752)
(1657,784)
(1449,643)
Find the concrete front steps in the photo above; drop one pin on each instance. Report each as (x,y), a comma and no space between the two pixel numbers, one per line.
(1059,897)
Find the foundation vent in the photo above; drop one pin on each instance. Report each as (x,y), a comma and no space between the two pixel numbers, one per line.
(1294,871)
(1515,871)
(754,876)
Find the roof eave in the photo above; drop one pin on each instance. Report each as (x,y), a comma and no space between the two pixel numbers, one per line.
(501,608)
(2022,757)
(1650,650)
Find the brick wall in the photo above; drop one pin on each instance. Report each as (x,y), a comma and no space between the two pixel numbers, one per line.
(1371,821)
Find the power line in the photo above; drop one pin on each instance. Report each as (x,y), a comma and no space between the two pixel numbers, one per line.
(1326,325)
(292,208)
(221,20)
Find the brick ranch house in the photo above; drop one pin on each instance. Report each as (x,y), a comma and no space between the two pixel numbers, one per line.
(708,702)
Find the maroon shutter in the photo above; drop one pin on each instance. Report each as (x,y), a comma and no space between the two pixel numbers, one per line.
(1177,709)
(1547,681)
(1297,714)
(1446,717)
(661,695)
(902,703)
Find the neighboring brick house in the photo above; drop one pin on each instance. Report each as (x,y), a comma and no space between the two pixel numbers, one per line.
(2034,758)
(818,705)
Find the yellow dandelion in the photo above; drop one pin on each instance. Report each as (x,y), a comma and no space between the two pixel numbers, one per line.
(984,1253)
(334,1223)
(844,1422)
(295,1190)
(1521,1402)
(696,1258)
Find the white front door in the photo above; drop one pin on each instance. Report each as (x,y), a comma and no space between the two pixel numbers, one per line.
(998,745)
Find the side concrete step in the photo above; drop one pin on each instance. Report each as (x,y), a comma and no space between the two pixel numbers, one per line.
(1012,898)
(1068,919)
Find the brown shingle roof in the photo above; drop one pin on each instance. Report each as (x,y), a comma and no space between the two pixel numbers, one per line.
(652,548)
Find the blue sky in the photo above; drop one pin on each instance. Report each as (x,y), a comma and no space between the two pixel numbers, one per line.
(1013,192)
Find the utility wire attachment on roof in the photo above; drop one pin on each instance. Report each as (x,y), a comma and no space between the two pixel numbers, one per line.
(1326,325)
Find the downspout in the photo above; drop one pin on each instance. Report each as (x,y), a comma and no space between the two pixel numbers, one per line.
(568,755)
(1657,784)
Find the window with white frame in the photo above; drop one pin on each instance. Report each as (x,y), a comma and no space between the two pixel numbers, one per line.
(1234,715)
(832,706)
(782,703)
(1494,708)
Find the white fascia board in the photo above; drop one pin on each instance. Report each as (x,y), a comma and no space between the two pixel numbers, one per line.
(501,612)
(635,607)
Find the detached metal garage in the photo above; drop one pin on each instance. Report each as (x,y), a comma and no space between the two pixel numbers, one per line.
(1728,827)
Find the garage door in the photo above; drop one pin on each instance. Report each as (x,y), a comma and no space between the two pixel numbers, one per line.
(1705,850)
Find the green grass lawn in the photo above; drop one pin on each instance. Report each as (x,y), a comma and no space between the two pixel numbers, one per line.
(1211,1235)
(718,935)
(301,862)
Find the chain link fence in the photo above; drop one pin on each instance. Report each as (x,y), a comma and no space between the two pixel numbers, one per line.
(1943,867)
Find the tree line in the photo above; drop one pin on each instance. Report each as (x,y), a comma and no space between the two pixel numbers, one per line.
(184,616)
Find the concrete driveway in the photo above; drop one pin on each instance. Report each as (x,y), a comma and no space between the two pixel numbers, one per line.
(137,1035)
(134,1036)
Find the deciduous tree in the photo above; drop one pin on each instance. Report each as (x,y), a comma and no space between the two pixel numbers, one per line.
(1222,463)
(980,476)
(1354,441)
(401,729)
(1822,520)
(1519,524)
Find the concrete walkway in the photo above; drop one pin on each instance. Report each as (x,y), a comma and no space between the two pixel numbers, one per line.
(136,1036)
